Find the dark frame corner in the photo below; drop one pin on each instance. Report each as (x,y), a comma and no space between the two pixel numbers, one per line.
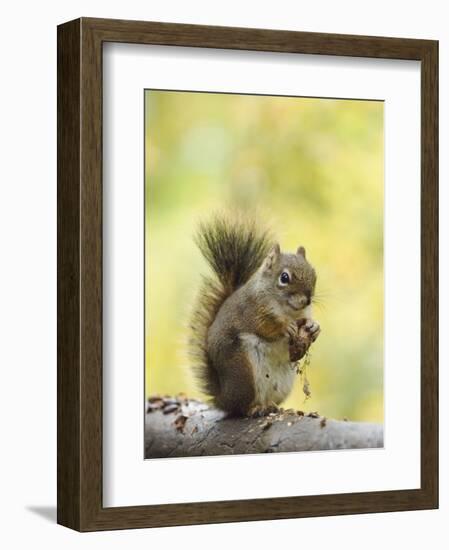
(80,273)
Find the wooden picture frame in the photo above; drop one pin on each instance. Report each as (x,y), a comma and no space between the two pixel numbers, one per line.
(80,43)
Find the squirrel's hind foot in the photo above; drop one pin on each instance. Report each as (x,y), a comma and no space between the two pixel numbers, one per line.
(258,411)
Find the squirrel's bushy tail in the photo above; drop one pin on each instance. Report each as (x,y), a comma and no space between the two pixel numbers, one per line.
(234,249)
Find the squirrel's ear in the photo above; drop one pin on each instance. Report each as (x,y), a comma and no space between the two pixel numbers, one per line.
(272,257)
(301,251)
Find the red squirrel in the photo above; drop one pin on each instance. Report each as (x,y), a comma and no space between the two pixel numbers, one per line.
(253,320)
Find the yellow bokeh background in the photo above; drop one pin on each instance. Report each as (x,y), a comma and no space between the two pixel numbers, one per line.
(309,168)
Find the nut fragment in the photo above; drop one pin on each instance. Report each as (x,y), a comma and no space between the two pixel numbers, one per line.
(180,422)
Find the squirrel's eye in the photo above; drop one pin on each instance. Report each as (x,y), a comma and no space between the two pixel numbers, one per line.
(284,278)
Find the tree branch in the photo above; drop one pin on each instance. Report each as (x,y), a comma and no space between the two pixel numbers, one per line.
(176,427)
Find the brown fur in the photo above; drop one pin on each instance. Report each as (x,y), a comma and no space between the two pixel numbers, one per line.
(249,299)
(234,250)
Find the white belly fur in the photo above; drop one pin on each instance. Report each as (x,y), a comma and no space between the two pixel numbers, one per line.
(274,374)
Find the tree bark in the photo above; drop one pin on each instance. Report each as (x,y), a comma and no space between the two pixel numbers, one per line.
(177,427)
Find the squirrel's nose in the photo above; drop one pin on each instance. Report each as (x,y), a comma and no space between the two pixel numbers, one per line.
(308,297)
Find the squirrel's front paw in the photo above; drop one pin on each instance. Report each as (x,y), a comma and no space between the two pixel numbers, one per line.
(306,333)
(310,330)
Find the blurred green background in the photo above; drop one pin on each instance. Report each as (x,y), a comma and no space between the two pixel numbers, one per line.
(312,170)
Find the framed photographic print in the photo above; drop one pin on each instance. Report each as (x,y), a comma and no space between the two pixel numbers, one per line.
(247,274)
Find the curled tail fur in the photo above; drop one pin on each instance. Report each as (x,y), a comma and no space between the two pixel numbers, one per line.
(234,250)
